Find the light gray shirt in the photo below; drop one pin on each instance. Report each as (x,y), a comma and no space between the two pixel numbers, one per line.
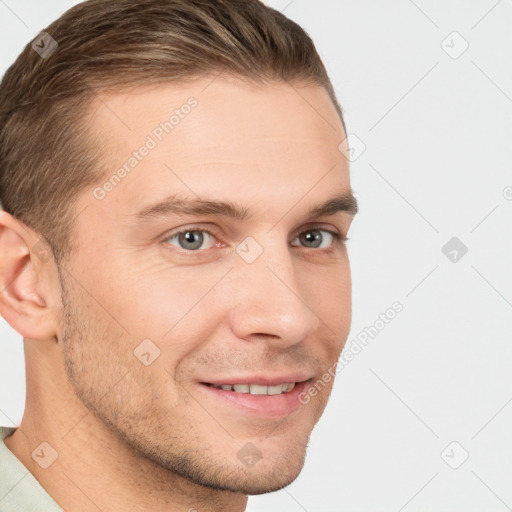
(19,490)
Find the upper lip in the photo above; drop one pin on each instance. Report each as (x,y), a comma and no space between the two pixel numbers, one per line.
(262,380)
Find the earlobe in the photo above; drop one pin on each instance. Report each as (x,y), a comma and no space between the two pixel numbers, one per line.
(23,303)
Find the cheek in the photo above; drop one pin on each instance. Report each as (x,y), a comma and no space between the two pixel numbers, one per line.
(329,294)
(155,300)
(332,303)
(172,306)
(106,369)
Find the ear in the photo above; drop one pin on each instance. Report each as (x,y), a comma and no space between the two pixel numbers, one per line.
(29,284)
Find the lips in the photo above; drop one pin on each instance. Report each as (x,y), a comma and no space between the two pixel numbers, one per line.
(260,396)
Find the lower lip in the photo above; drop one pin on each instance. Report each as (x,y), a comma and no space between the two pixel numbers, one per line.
(272,406)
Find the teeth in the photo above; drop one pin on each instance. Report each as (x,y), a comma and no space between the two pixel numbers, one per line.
(257,389)
(275,390)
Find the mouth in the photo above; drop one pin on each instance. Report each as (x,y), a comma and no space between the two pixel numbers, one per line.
(265,398)
(256,389)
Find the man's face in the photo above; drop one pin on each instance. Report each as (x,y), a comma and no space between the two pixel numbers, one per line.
(153,320)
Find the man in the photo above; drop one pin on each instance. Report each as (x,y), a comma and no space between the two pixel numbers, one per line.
(172,252)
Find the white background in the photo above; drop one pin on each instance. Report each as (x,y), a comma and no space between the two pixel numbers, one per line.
(438,132)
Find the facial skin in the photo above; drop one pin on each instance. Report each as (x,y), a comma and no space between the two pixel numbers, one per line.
(156,437)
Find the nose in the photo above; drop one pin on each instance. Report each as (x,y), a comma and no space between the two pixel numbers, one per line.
(268,301)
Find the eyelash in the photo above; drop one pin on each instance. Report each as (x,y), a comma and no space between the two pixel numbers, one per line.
(338,241)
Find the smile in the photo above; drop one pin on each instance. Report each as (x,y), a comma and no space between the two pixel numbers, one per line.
(257,396)
(256,389)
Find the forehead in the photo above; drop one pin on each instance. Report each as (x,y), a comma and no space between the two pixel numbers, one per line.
(210,135)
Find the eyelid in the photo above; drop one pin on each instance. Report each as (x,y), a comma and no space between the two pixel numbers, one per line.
(319,225)
(190,227)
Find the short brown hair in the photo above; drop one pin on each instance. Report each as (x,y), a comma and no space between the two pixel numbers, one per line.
(47,154)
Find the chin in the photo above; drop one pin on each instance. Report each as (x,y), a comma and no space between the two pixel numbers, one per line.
(255,480)
(268,474)
(224,471)
(265,484)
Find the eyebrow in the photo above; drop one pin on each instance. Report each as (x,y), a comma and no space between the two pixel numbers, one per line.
(174,205)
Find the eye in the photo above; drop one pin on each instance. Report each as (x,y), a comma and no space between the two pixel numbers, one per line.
(314,239)
(192,239)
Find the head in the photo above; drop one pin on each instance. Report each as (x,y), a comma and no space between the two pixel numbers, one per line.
(175,212)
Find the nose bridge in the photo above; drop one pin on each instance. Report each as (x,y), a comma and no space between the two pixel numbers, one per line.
(268,298)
